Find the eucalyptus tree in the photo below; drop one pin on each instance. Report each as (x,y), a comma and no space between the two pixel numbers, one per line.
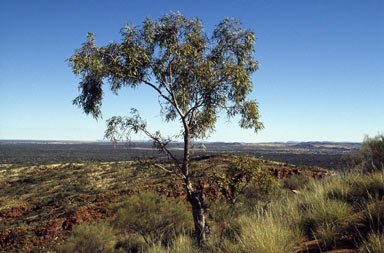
(195,77)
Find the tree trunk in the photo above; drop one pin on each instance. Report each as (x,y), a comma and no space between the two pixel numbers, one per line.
(198,212)
(195,197)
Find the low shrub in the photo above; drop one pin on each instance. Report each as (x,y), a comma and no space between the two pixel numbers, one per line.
(90,238)
(370,156)
(244,175)
(154,217)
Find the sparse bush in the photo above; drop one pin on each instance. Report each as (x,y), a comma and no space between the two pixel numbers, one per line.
(371,154)
(154,217)
(90,238)
(244,175)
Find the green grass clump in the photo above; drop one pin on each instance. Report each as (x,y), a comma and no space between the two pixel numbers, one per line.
(268,231)
(356,188)
(154,217)
(181,243)
(322,218)
(98,237)
(374,243)
(295,182)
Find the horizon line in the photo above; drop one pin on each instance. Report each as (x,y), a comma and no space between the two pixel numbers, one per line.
(200,141)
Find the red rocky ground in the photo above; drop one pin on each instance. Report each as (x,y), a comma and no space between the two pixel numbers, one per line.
(41,226)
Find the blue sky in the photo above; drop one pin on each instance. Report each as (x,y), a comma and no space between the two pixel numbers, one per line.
(321,71)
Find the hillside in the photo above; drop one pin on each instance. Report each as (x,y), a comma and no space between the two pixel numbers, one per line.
(41,204)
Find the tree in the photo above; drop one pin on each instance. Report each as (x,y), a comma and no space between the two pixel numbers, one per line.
(195,78)
(371,154)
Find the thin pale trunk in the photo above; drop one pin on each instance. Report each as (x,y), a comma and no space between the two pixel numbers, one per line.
(194,197)
(186,159)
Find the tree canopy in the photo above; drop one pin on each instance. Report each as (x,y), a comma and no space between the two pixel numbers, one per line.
(194,75)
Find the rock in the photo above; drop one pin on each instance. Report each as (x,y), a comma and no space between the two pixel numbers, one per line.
(310,247)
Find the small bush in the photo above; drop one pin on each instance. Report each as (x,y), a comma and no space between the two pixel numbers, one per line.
(154,217)
(244,174)
(90,238)
(371,154)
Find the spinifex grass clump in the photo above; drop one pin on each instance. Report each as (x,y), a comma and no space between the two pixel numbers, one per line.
(156,218)
(98,237)
(181,243)
(268,231)
(357,187)
(295,182)
(374,243)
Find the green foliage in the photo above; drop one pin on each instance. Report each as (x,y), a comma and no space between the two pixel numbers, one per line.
(155,218)
(195,76)
(371,154)
(90,238)
(242,174)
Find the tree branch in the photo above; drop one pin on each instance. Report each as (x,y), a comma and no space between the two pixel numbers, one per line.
(163,168)
(164,148)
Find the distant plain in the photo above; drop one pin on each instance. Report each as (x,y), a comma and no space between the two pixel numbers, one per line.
(323,154)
